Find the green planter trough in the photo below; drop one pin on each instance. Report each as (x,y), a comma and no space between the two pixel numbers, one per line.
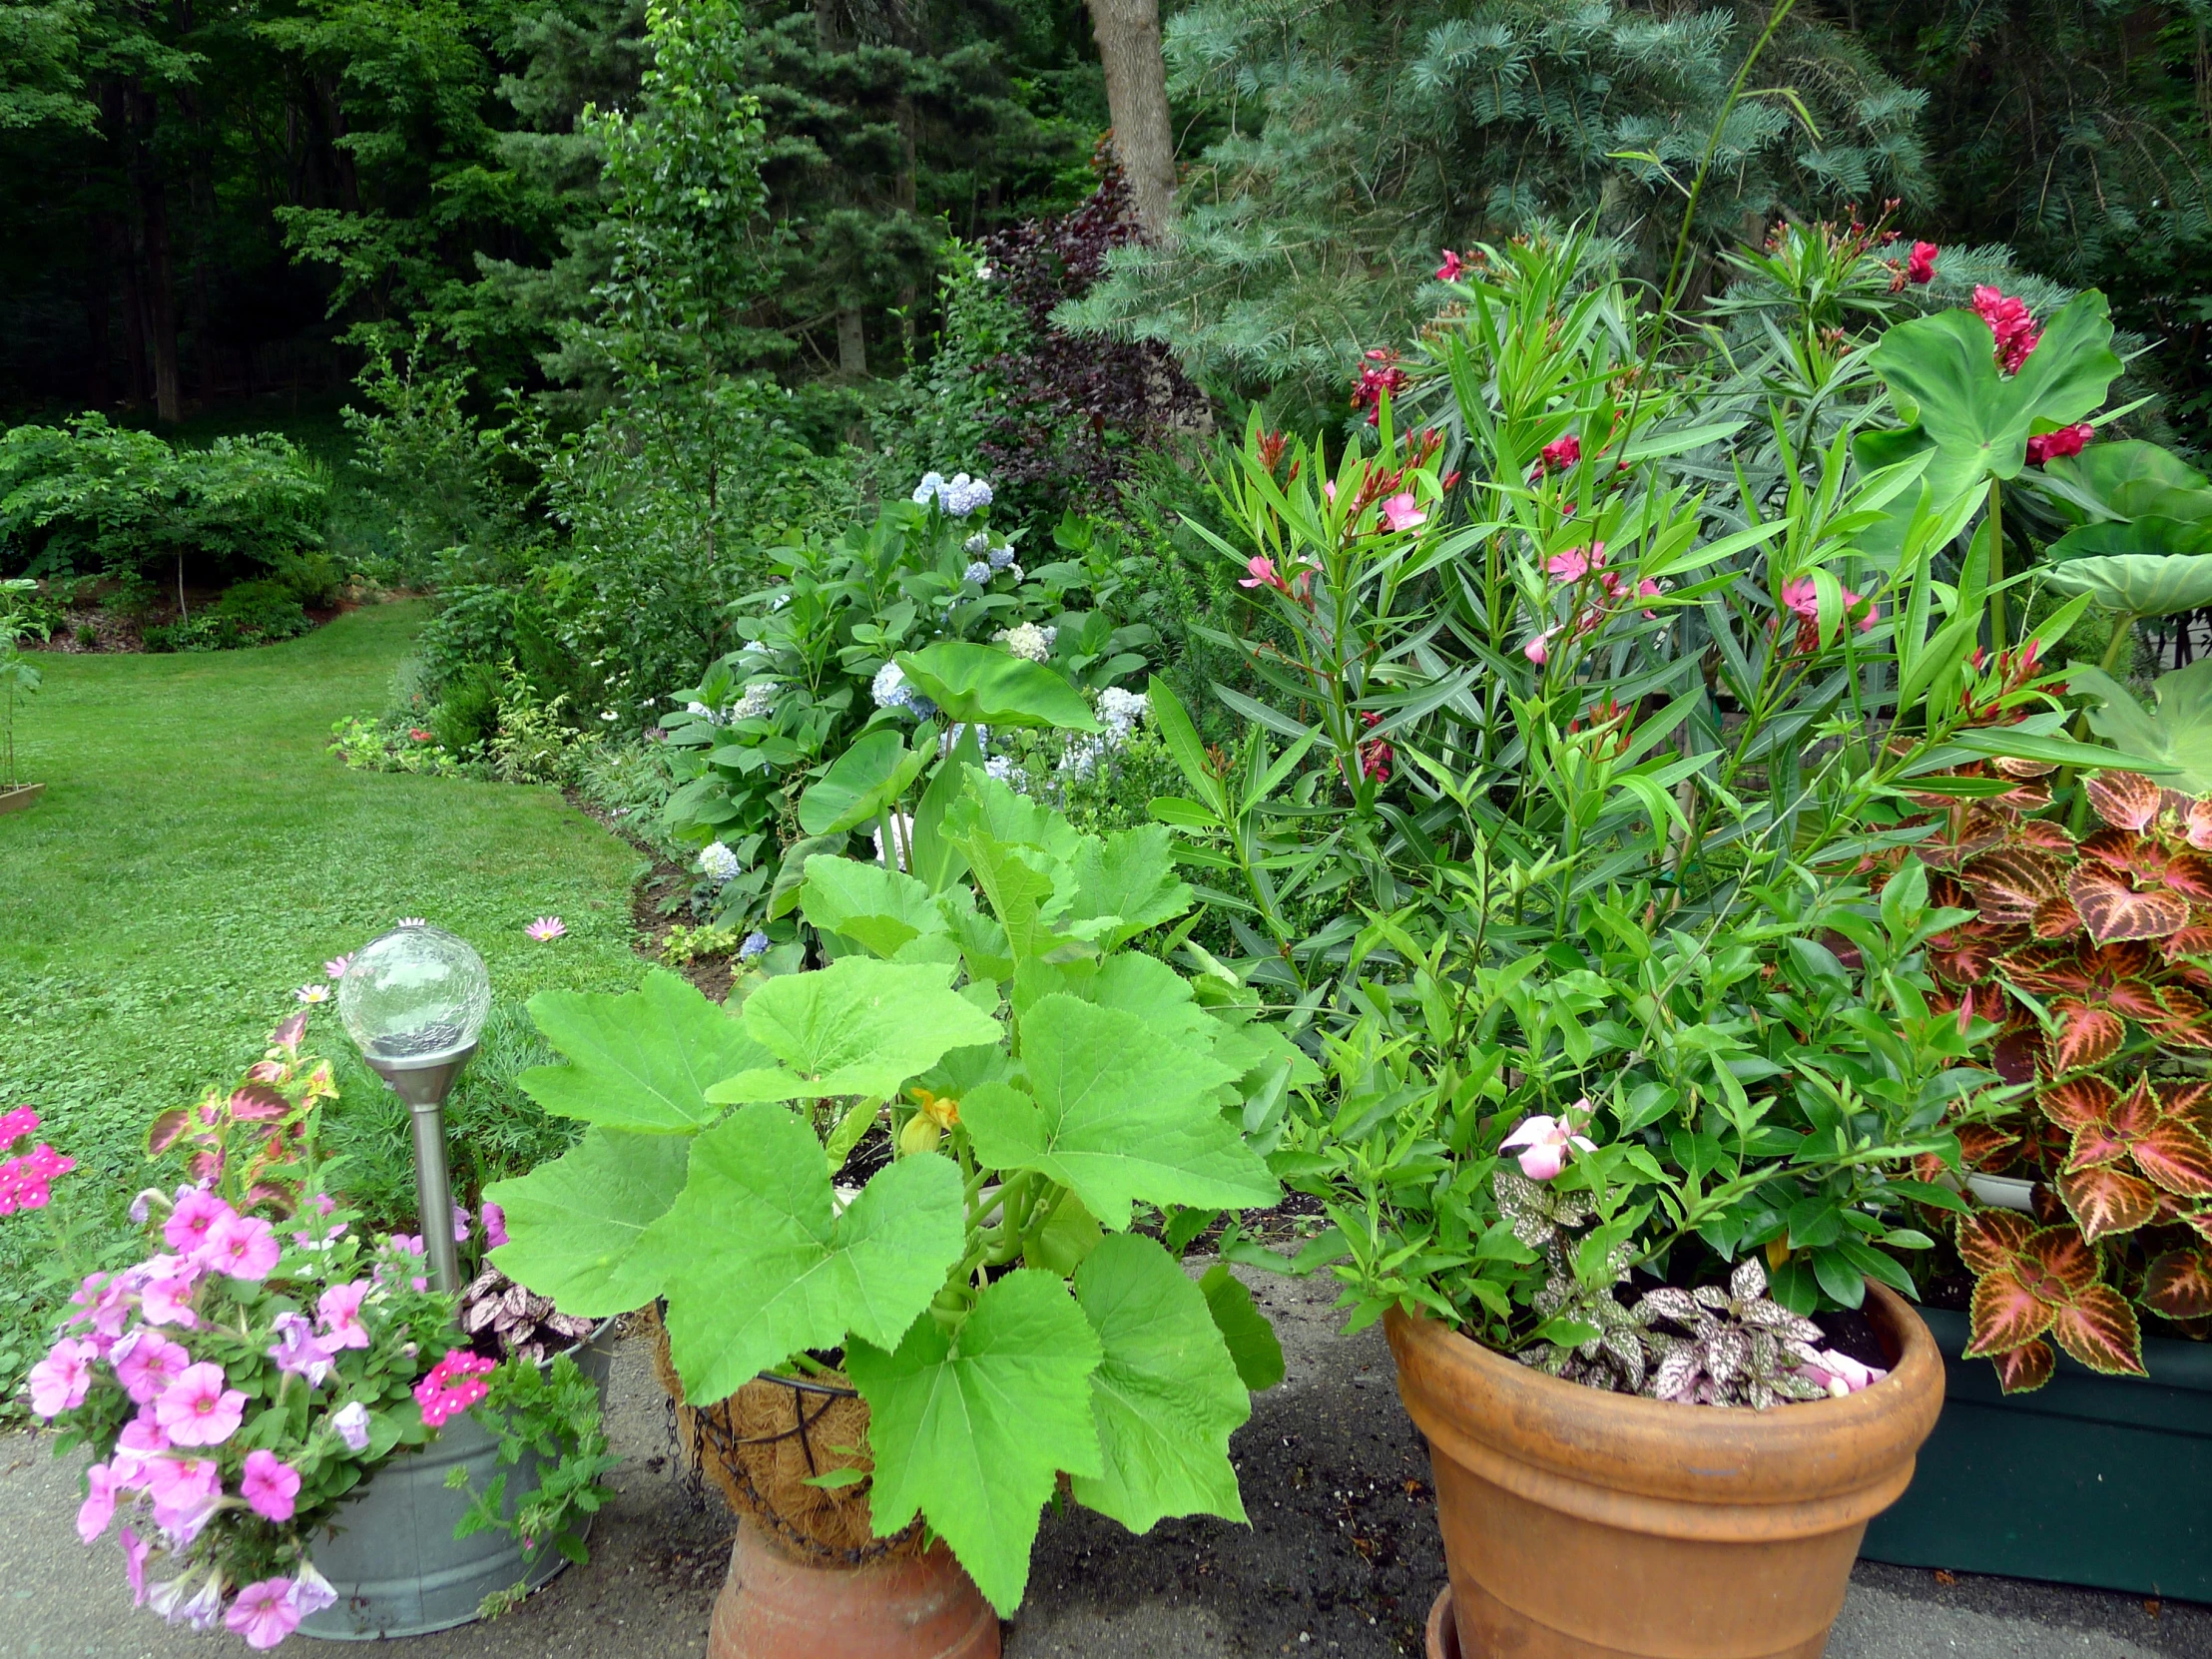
(2094,1480)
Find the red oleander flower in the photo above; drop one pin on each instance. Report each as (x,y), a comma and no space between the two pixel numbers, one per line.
(2067,440)
(1920,267)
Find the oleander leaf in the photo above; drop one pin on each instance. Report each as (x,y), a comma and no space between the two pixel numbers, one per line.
(1117,1116)
(574,1225)
(859,1026)
(1166,1396)
(972,1429)
(757,1263)
(642,1060)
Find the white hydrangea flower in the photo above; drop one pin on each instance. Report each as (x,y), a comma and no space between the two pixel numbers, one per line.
(1121,711)
(1002,768)
(695,706)
(1082,757)
(890,688)
(758,703)
(963,495)
(718,863)
(930,487)
(978,544)
(1028,639)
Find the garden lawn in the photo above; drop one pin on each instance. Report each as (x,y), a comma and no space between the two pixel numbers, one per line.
(195,858)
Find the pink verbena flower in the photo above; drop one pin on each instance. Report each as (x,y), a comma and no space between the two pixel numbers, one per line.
(146,1363)
(263,1613)
(453,1384)
(1919,267)
(338,1312)
(1545,1141)
(2067,440)
(17,1125)
(60,1382)
(192,1219)
(245,1246)
(546,929)
(269,1485)
(199,1407)
(2012,325)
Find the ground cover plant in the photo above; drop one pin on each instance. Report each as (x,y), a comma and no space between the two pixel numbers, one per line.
(167,913)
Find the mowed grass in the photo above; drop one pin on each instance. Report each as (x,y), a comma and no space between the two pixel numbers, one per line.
(195,858)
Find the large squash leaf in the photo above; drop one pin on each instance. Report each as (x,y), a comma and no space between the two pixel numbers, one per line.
(972,1429)
(1116,1115)
(983,683)
(574,1225)
(2178,733)
(1122,885)
(877,907)
(642,1060)
(1166,1396)
(2140,584)
(859,1026)
(757,1263)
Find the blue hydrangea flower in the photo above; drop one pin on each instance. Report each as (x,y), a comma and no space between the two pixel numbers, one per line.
(979,573)
(755,944)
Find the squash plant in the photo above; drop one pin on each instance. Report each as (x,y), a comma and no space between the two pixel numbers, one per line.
(1036,1084)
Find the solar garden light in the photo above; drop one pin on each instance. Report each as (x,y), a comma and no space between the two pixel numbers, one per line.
(413,1002)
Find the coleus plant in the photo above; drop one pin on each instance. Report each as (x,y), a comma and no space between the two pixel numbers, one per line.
(1034,1084)
(2088,958)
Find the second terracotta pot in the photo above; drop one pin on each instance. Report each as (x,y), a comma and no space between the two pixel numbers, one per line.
(776,1606)
(1579,1524)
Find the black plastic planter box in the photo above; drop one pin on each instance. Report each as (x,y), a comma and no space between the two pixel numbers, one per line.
(2097,1480)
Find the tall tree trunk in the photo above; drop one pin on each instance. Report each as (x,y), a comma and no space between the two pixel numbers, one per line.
(135,386)
(161,298)
(852,342)
(1128,34)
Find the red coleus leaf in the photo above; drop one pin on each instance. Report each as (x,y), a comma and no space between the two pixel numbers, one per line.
(2107,1199)
(2177,1157)
(2186,1021)
(2056,1262)
(2179,1284)
(2200,1223)
(2124,799)
(2096,1145)
(2090,972)
(2051,838)
(2196,824)
(2193,940)
(258,1103)
(2190,874)
(2123,851)
(2025,1369)
(2113,910)
(2004,1314)
(2078,1102)
(2098,1327)
(2191,1102)
(167,1129)
(2008,884)
(1989,1239)
(2018,766)
(287,1036)
(2086,1036)
(1985,1146)
(2054,919)
(206,1166)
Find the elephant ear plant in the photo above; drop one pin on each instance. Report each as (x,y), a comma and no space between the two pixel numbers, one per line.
(1023,1086)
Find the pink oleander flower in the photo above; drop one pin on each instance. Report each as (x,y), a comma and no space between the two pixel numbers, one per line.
(338,1312)
(245,1246)
(269,1485)
(1575,562)
(1538,650)
(1839,1373)
(200,1408)
(60,1382)
(1449,271)
(496,1225)
(192,1219)
(2067,440)
(1560,455)
(546,929)
(335,967)
(298,1351)
(1401,513)
(98,1509)
(1260,573)
(135,1552)
(2012,325)
(169,1302)
(1803,599)
(1545,1142)
(263,1613)
(1919,267)
(351,1422)
(146,1363)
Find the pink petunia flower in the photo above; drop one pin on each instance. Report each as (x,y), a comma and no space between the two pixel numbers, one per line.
(269,1485)
(192,1219)
(146,1363)
(496,1225)
(311,1592)
(137,1449)
(338,1312)
(1401,513)
(135,1552)
(98,1509)
(1545,1142)
(1919,267)
(351,1422)
(263,1613)
(187,1492)
(169,1302)
(60,1382)
(245,1246)
(200,1408)
(1839,1373)
(460,1224)
(546,929)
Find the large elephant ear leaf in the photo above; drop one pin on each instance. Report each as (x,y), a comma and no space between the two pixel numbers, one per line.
(972,1429)
(859,1026)
(2142,538)
(868,778)
(642,1060)
(2140,584)
(2122,476)
(758,1263)
(982,683)
(574,1225)
(1942,371)
(1166,1396)
(2178,733)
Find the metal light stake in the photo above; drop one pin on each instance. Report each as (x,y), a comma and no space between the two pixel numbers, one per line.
(413,1002)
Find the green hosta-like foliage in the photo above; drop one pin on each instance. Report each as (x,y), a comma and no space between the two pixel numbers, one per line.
(1035,1082)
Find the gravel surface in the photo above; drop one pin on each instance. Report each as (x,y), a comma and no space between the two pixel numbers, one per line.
(1342,1556)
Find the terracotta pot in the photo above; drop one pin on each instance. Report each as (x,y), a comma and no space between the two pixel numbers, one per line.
(776,1606)
(1587,1525)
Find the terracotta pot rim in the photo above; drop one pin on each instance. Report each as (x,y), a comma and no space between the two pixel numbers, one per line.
(1492,1410)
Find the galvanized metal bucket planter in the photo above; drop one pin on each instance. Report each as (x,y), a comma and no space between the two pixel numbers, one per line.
(2094,1480)
(394,1562)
